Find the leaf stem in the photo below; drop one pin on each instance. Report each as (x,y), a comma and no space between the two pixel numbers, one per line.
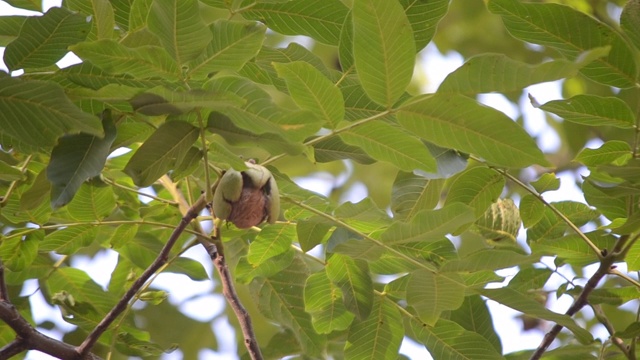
(14,184)
(625,277)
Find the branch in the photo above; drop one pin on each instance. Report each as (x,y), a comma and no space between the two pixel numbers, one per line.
(4,294)
(216,253)
(30,338)
(93,337)
(602,318)
(606,261)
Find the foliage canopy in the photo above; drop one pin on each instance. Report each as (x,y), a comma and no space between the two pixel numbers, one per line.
(192,88)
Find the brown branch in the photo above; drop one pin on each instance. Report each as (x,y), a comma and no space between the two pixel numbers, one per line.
(4,293)
(12,349)
(162,258)
(215,249)
(29,338)
(602,318)
(606,261)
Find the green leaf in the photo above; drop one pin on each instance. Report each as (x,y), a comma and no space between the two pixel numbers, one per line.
(143,62)
(523,303)
(323,300)
(68,240)
(477,187)
(429,225)
(10,28)
(10,173)
(311,231)
(555,25)
(123,234)
(246,272)
(531,210)
(378,336)
(613,151)
(259,114)
(313,91)
(572,249)
(318,19)
(37,113)
(121,9)
(487,259)
(593,110)
(37,193)
(386,142)
(383,49)
(18,253)
(43,40)
(430,294)
(154,298)
(178,25)
(630,21)
(160,101)
(271,241)
(281,298)
(93,202)
(162,150)
(528,279)
(35,5)
(76,159)
(413,193)
(88,75)
(474,316)
(424,17)
(546,182)
(333,148)
(233,44)
(38,269)
(458,122)
(486,73)
(448,340)
(352,277)
(612,296)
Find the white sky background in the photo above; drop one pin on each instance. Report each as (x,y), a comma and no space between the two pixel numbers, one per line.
(195,298)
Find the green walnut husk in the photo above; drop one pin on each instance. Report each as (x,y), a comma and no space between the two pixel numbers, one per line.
(247,198)
(500,223)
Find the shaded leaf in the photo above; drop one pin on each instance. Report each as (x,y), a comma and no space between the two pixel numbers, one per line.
(93,201)
(67,241)
(271,241)
(37,113)
(43,40)
(178,25)
(18,253)
(162,150)
(424,16)
(233,44)
(323,300)
(76,159)
(474,316)
(554,25)
(610,152)
(546,182)
(333,148)
(412,193)
(630,21)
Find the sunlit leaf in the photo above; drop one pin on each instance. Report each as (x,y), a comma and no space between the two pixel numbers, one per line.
(312,91)
(412,193)
(352,277)
(477,187)
(546,182)
(529,306)
(593,110)
(611,151)
(458,122)
(68,241)
(271,241)
(388,143)
(378,336)
(323,300)
(474,316)
(319,19)
(383,49)
(430,294)
(18,253)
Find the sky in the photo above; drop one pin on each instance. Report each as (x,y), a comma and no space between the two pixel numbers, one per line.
(195,298)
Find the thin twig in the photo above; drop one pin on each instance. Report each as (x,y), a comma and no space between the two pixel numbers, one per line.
(163,256)
(13,348)
(626,277)
(602,318)
(4,294)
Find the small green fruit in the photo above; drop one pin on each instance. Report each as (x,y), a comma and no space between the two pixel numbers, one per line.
(247,198)
(500,223)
